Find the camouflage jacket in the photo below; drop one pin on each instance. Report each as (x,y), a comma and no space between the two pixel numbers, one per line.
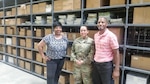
(83,49)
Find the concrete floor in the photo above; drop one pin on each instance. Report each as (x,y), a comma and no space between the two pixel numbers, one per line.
(11,75)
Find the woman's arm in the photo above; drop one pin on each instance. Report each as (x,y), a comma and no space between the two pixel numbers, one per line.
(41,45)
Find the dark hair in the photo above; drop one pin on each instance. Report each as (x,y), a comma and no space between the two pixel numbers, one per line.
(55,24)
(85,26)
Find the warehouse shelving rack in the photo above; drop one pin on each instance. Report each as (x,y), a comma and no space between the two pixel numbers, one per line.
(121,8)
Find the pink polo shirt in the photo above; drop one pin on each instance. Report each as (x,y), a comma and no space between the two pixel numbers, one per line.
(104,44)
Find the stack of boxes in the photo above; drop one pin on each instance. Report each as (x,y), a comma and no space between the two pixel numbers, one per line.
(77,21)
(40,20)
(96,3)
(70,19)
(92,18)
(139,1)
(62,19)
(49,19)
(65,5)
(41,8)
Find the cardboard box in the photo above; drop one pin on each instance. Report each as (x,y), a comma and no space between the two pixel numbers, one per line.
(45,71)
(58,5)
(1,13)
(10,30)
(139,1)
(1,57)
(116,81)
(14,40)
(21,63)
(117,2)
(1,47)
(138,16)
(48,31)
(2,40)
(119,33)
(147,15)
(13,11)
(76,4)
(28,43)
(9,49)
(64,66)
(22,53)
(44,61)
(96,3)
(13,29)
(2,30)
(141,15)
(92,33)
(28,54)
(71,4)
(71,79)
(69,65)
(35,45)
(20,21)
(35,8)
(28,66)
(140,62)
(38,69)
(22,32)
(28,9)
(21,10)
(63,79)
(8,13)
(72,36)
(42,7)
(29,33)
(136,78)
(12,22)
(22,42)
(38,57)
(9,21)
(39,32)
(14,51)
(67,5)
(69,51)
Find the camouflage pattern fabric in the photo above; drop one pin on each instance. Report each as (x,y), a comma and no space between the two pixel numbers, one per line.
(82,49)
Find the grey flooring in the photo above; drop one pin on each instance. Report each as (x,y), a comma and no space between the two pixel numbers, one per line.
(11,75)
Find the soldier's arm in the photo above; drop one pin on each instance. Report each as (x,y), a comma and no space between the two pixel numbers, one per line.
(73,56)
(90,57)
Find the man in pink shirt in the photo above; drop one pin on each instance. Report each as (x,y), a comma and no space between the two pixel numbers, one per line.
(106,50)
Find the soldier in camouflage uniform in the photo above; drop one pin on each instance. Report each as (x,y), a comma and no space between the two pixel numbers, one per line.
(82,54)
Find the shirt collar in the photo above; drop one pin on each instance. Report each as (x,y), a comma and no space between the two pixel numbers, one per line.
(104,34)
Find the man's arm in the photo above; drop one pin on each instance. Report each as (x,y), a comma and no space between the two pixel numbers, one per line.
(116,71)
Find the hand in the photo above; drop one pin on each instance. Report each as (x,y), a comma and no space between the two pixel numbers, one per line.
(116,74)
(46,58)
(79,62)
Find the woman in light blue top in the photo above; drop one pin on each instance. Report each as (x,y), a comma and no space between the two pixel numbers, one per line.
(56,51)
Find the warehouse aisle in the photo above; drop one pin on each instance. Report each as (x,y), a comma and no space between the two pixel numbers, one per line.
(11,75)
